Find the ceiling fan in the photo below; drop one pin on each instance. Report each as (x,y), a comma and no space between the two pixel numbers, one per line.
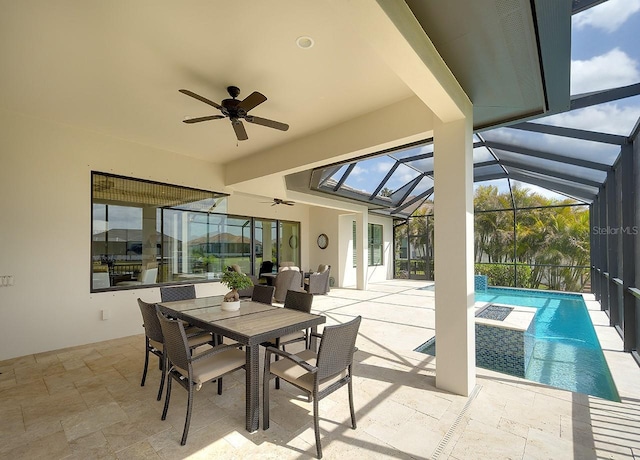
(280,201)
(236,111)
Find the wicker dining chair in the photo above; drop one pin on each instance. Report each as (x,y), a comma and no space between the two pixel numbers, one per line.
(301,301)
(154,341)
(174,293)
(263,294)
(319,374)
(192,371)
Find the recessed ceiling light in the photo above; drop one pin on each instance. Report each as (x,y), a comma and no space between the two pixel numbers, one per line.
(304,42)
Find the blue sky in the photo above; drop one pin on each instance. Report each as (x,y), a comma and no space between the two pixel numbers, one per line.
(605,54)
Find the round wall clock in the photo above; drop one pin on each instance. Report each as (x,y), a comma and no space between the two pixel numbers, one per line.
(323,241)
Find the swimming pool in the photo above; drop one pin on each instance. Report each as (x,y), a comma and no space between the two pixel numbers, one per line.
(566,352)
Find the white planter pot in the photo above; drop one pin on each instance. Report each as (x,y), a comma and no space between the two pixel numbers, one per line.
(230,306)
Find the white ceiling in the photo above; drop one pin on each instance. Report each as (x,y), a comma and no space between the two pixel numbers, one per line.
(115,67)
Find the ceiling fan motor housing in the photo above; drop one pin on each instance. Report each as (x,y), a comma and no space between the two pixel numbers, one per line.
(231,110)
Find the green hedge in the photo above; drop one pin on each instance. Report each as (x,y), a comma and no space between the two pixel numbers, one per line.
(502,274)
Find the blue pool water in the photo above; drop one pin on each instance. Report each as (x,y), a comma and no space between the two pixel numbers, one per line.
(566,351)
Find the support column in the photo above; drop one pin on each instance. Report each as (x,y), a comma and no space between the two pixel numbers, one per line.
(630,230)
(613,234)
(604,270)
(454,291)
(362,238)
(149,236)
(593,249)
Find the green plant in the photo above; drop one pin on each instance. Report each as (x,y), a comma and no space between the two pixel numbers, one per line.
(234,281)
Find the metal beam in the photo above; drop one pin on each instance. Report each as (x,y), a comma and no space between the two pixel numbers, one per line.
(551,173)
(578,6)
(554,186)
(572,133)
(384,181)
(581,101)
(423,196)
(548,156)
(344,176)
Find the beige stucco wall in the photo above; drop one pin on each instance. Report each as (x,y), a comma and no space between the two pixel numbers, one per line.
(45,227)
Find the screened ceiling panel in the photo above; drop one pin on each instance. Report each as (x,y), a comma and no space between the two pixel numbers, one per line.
(367,174)
(424,165)
(552,168)
(482,155)
(570,148)
(617,117)
(488,170)
(337,175)
(411,152)
(579,191)
(567,154)
(543,191)
(402,175)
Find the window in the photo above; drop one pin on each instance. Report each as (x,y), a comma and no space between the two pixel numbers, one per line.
(375,248)
(152,233)
(375,244)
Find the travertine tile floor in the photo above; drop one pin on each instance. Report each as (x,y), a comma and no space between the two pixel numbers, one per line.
(86,402)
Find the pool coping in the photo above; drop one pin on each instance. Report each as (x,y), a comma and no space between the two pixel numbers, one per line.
(623,368)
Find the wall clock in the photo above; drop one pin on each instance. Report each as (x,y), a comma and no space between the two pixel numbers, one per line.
(323,241)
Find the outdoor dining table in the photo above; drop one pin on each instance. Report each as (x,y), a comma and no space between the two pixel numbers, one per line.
(251,325)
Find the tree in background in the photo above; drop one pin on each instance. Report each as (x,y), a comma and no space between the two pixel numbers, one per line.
(551,237)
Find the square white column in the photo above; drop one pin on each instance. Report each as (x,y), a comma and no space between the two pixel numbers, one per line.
(454,256)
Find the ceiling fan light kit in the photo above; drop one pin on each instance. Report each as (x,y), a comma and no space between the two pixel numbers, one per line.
(236,110)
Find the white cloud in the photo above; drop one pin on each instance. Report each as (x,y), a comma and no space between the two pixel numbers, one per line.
(608,118)
(608,16)
(609,70)
(358,171)
(384,166)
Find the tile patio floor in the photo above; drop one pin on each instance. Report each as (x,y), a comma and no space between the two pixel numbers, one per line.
(86,402)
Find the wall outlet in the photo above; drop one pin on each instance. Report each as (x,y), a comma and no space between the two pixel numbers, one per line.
(106,314)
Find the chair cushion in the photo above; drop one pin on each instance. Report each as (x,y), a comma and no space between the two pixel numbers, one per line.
(291,372)
(156,345)
(200,339)
(286,338)
(294,335)
(214,366)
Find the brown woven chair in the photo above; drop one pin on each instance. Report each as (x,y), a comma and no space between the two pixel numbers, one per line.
(191,371)
(154,341)
(174,293)
(301,301)
(319,374)
(263,294)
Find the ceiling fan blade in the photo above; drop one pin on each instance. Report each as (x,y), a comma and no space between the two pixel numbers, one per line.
(267,123)
(200,98)
(199,119)
(238,127)
(252,100)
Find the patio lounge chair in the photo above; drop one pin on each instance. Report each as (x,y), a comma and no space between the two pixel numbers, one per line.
(318,282)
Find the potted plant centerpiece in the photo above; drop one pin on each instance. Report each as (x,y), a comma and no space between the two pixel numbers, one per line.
(234,281)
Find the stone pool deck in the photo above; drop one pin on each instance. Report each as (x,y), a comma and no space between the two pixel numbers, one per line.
(86,402)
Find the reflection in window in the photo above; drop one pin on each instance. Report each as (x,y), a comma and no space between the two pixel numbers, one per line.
(152,233)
